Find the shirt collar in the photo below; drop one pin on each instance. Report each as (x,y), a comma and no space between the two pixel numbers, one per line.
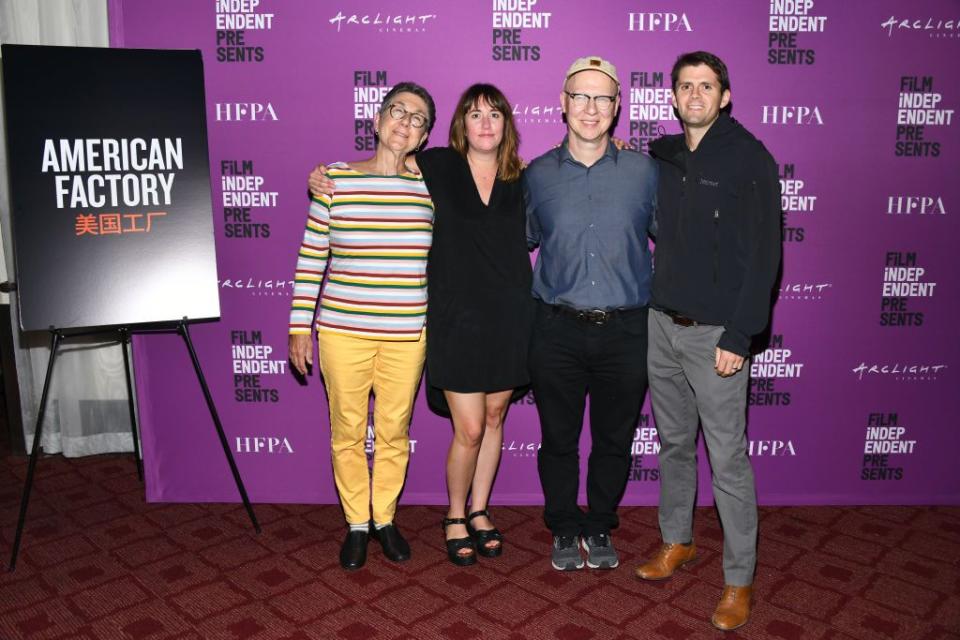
(611,152)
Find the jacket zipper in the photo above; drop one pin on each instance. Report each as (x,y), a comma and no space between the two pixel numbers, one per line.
(668,273)
(716,245)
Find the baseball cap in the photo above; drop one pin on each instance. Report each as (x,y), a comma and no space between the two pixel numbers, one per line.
(596,63)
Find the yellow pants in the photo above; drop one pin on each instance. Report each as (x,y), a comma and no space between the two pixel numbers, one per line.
(352,367)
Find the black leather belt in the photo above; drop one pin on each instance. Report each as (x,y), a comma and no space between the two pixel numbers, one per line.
(682,320)
(598,317)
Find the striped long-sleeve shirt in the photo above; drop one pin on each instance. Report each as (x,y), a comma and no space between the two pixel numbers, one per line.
(376,233)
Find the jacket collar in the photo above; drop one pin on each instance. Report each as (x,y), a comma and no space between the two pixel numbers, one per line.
(723,125)
(673,149)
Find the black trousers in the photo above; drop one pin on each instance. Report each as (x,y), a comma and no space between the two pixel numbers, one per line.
(570,358)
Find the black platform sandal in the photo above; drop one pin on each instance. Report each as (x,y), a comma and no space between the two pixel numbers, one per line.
(455,545)
(482,537)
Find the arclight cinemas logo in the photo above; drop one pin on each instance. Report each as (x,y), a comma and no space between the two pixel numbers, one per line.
(531,113)
(521,448)
(258,286)
(899,371)
(933,27)
(408,22)
(804,290)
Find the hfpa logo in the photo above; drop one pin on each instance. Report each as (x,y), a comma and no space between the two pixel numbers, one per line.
(260,444)
(791,114)
(245,111)
(900,205)
(772,448)
(658,21)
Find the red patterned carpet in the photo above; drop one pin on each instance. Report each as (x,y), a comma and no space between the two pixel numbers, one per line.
(98,562)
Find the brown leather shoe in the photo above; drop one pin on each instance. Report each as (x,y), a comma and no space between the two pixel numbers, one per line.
(670,558)
(733,609)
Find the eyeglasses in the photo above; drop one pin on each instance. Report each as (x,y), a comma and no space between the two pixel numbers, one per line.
(417,120)
(581,100)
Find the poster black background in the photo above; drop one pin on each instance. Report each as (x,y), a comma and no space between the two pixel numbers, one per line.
(70,281)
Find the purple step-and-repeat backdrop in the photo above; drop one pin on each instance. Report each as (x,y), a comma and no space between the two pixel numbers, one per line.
(855,100)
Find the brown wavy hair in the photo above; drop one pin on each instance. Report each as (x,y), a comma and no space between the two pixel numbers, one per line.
(509,161)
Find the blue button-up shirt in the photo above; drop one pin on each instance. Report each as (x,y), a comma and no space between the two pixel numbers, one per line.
(591,224)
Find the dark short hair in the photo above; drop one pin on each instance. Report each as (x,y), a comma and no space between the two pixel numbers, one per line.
(417,90)
(695,58)
(509,163)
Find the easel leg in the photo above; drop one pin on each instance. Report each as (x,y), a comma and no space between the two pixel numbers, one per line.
(124,342)
(37,433)
(184,331)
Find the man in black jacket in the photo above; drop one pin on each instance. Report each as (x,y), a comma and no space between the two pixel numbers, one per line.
(716,259)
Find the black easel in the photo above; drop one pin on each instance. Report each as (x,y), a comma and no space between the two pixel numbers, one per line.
(57,336)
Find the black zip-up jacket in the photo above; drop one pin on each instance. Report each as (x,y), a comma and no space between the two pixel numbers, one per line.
(718,241)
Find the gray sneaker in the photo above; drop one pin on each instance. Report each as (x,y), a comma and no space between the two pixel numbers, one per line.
(600,552)
(566,553)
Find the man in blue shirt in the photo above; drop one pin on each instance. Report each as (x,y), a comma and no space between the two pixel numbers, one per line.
(589,210)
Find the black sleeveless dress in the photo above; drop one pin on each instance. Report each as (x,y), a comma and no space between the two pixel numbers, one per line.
(480,309)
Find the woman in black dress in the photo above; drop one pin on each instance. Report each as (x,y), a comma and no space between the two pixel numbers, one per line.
(479,313)
(480,310)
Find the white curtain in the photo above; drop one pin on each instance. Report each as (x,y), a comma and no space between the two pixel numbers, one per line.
(87,410)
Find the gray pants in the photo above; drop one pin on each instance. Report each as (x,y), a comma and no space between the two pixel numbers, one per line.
(684,388)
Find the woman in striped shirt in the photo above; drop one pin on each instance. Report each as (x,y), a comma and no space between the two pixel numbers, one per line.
(375,232)
(481,310)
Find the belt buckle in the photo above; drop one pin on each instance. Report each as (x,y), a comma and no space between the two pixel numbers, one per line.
(598,317)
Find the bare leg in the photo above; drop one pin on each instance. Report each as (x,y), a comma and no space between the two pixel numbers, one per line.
(489,459)
(468,411)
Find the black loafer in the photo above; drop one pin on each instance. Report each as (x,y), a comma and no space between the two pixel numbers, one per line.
(353,552)
(394,546)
